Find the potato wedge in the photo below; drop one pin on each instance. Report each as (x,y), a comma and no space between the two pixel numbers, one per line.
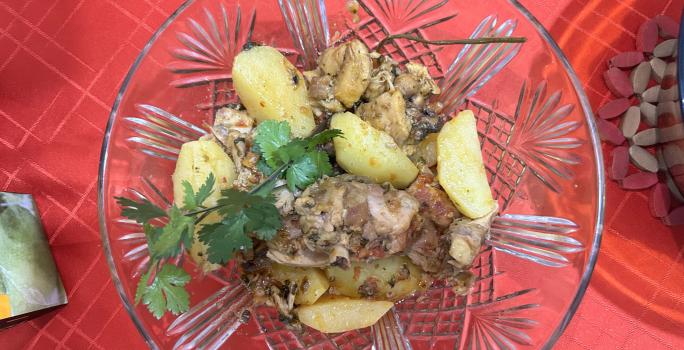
(195,161)
(340,314)
(270,87)
(311,281)
(460,168)
(366,151)
(390,278)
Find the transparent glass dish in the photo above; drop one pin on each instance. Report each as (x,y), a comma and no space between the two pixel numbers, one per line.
(539,143)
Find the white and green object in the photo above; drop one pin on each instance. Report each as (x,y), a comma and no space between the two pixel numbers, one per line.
(29,280)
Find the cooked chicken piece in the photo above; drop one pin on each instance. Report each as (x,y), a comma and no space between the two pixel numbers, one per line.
(416,80)
(342,76)
(345,211)
(387,112)
(435,204)
(466,238)
(427,251)
(391,214)
(284,200)
(228,120)
(322,95)
(424,121)
(382,76)
(289,248)
(233,129)
(354,75)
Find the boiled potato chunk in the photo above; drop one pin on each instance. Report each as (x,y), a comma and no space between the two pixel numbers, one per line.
(195,161)
(270,87)
(366,151)
(340,314)
(390,278)
(460,167)
(311,282)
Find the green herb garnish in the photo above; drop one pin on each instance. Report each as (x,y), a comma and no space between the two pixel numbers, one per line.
(306,162)
(244,215)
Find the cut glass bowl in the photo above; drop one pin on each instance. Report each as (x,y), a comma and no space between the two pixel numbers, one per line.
(538,140)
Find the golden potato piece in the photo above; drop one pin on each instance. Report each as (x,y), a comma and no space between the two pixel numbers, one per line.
(195,161)
(366,151)
(270,87)
(390,278)
(460,168)
(311,281)
(340,314)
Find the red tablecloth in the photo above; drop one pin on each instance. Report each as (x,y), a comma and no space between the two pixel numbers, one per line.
(62,61)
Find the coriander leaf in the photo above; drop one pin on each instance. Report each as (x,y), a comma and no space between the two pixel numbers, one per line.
(141,212)
(263,167)
(205,190)
(271,135)
(302,173)
(323,137)
(232,201)
(225,238)
(173,280)
(264,220)
(188,196)
(292,151)
(192,199)
(142,285)
(176,232)
(167,291)
(152,234)
(322,162)
(153,297)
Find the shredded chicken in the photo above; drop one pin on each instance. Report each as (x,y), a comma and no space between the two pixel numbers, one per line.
(345,217)
(435,204)
(233,129)
(382,76)
(387,112)
(466,238)
(342,76)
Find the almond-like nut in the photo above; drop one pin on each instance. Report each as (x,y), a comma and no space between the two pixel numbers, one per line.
(648,112)
(676,217)
(670,94)
(668,113)
(618,82)
(673,155)
(647,36)
(658,68)
(639,181)
(665,49)
(642,159)
(619,163)
(659,200)
(671,133)
(640,76)
(627,59)
(613,108)
(647,137)
(630,121)
(609,132)
(651,94)
(667,27)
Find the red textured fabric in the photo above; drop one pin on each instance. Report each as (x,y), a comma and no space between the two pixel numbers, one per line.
(62,61)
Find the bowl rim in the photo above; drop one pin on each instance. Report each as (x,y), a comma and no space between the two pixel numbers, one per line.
(586,109)
(600,175)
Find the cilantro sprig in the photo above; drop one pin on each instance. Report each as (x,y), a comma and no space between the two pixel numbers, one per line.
(245,216)
(306,163)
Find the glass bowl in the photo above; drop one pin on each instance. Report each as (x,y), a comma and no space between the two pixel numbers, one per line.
(539,144)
